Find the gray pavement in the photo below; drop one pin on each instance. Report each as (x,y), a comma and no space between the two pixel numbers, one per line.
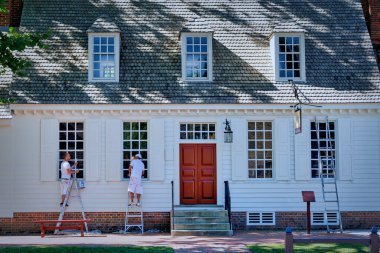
(183,244)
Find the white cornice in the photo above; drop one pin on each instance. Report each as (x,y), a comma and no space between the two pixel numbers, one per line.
(189,110)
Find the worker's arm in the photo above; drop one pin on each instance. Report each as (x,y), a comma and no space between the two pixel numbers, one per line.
(129,170)
(68,170)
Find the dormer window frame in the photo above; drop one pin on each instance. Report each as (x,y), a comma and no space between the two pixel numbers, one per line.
(275,52)
(91,54)
(184,52)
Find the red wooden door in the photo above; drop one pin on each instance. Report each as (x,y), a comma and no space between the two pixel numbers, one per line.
(198,173)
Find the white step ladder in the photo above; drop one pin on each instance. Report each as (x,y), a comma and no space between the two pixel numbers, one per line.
(132,214)
(73,183)
(327,173)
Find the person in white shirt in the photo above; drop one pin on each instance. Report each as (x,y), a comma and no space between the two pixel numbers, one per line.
(136,171)
(66,171)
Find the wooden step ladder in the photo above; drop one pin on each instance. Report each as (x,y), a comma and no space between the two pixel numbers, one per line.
(73,183)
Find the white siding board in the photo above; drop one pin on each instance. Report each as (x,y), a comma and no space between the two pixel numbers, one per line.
(30,194)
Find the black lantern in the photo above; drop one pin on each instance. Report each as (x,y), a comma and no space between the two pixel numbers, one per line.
(228,134)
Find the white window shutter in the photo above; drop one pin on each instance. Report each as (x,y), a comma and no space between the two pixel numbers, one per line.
(239,149)
(93,149)
(49,150)
(282,148)
(114,152)
(302,152)
(156,140)
(345,149)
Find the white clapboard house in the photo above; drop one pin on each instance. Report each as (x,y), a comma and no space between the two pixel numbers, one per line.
(160,78)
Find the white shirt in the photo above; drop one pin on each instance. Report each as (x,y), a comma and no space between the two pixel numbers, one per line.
(64,166)
(137,168)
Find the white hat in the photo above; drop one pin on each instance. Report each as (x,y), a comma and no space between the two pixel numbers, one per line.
(138,155)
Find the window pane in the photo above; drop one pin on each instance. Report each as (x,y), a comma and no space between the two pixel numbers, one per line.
(96,40)
(110,40)
(322,149)
(203,49)
(204,40)
(73,132)
(189,40)
(137,131)
(260,149)
(289,63)
(197,40)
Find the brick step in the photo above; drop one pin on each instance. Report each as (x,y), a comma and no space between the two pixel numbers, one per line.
(201,226)
(223,219)
(202,232)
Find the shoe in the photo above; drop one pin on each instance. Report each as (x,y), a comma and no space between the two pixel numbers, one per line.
(138,204)
(130,205)
(60,204)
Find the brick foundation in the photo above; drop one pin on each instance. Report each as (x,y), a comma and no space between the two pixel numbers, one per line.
(105,221)
(297,220)
(114,221)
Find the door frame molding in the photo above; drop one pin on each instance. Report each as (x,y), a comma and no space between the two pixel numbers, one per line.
(219,141)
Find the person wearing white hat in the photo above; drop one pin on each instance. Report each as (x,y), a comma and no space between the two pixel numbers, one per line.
(136,171)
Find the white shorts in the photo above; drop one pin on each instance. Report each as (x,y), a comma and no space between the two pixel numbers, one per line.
(64,186)
(135,185)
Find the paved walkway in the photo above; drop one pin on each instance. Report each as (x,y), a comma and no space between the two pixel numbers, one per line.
(183,244)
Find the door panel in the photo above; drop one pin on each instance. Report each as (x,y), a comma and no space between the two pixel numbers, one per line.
(198,173)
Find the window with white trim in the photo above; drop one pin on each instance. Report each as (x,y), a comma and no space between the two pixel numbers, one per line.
(289,56)
(322,148)
(261,218)
(71,140)
(260,152)
(197,56)
(104,57)
(197,131)
(135,141)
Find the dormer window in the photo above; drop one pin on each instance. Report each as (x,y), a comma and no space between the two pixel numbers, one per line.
(104,57)
(197,56)
(288,55)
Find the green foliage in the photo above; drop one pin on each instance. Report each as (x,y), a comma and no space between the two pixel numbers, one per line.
(56,249)
(12,42)
(3,8)
(310,248)
(6,100)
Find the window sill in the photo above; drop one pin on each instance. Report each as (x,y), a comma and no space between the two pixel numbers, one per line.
(103,81)
(197,80)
